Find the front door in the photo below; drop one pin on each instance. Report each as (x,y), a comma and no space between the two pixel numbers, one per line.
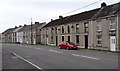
(86,41)
(112,43)
(56,40)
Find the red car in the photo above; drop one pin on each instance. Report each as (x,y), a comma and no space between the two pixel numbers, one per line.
(68,45)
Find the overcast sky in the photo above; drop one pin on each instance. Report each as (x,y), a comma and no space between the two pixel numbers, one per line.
(19,12)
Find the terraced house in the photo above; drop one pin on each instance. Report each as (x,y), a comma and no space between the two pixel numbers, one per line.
(94,29)
(30,34)
(7,35)
(105,28)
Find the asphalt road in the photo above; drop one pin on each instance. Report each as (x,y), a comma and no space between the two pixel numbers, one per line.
(48,57)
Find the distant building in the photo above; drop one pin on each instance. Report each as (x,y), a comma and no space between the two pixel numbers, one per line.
(25,36)
(7,35)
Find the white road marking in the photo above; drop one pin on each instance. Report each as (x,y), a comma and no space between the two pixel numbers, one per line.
(86,56)
(38,48)
(89,57)
(55,51)
(75,55)
(27,61)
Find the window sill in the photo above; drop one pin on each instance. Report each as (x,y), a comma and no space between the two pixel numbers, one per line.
(99,45)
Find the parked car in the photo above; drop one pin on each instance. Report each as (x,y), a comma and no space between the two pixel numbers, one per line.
(68,45)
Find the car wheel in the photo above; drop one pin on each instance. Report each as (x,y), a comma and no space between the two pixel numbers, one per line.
(60,47)
(77,48)
(67,48)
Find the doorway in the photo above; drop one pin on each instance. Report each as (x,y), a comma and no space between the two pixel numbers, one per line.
(56,40)
(86,41)
(112,43)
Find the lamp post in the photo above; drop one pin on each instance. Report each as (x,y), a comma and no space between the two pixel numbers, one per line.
(31,33)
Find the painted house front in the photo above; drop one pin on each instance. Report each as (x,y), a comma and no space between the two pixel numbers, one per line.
(15,35)
(104,30)
(36,32)
(72,28)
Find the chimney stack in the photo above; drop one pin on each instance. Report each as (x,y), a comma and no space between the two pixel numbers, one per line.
(103,4)
(60,17)
(51,19)
(36,22)
(20,25)
(15,26)
(25,25)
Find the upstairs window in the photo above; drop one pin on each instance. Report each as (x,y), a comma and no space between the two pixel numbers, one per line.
(68,29)
(77,28)
(112,25)
(99,25)
(55,30)
(62,29)
(47,31)
(86,27)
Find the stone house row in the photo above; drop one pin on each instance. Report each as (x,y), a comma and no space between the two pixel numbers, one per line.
(94,29)
(23,35)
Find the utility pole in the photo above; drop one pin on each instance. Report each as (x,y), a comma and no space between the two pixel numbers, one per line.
(31,33)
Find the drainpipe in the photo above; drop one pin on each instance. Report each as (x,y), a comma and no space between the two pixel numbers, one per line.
(117,35)
(31,32)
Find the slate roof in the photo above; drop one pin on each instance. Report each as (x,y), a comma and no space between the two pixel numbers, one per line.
(8,31)
(96,13)
(28,27)
(109,10)
(73,18)
(17,29)
(25,28)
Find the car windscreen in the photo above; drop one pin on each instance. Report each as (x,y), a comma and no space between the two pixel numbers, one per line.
(70,42)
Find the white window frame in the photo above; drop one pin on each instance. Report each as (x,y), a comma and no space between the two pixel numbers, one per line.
(112,23)
(99,25)
(77,28)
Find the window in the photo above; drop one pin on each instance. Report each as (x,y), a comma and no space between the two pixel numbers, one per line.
(47,31)
(99,41)
(99,25)
(86,27)
(52,30)
(77,39)
(112,24)
(52,39)
(77,28)
(68,29)
(62,38)
(55,30)
(62,29)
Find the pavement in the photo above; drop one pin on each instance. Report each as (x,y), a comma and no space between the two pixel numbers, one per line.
(47,57)
(0,56)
